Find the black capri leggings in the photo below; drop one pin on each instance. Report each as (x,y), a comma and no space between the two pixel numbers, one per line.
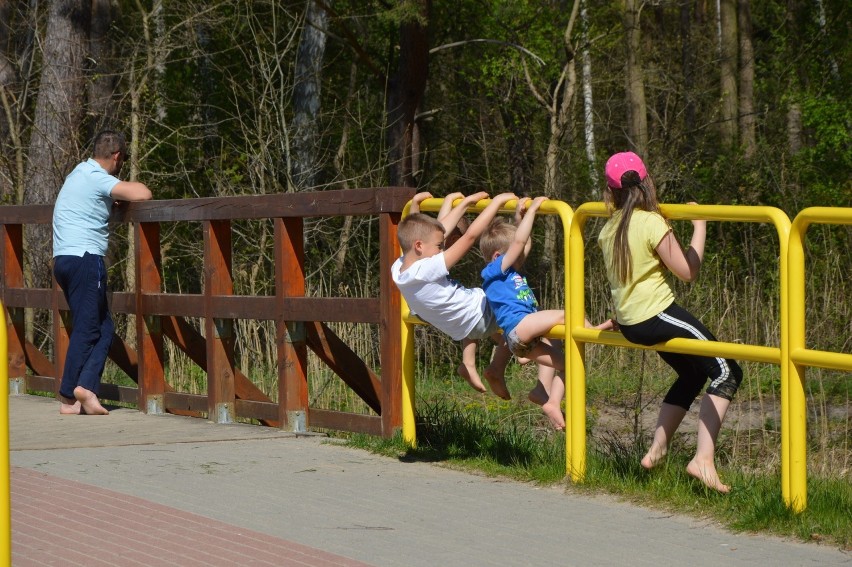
(692,370)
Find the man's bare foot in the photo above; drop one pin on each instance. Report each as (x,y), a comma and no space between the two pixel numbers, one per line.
(471,376)
(706,473)
(554,414)
(67,406)
(653,457)
(538,395)
(89,403)
(497,382)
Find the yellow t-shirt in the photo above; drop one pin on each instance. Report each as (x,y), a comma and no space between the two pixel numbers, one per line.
(647,293)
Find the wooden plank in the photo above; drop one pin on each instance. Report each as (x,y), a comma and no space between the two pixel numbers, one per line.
(29,297)
(37,383)
(193,405)
(292,355)
(390,327)
(345,363)
(281,205)
(177,304)
(342,421)
(121,394)
(26,214)
(331,309)
(265,412)
(122,302)
(37,361)
(124,357)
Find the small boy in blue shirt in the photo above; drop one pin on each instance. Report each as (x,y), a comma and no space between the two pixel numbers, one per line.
(505,248)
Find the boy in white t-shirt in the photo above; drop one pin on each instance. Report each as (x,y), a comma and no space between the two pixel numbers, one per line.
(422,276)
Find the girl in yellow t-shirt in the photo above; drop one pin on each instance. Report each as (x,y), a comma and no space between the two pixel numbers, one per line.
(638,246)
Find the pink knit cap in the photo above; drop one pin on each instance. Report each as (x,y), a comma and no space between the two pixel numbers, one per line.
(619,164)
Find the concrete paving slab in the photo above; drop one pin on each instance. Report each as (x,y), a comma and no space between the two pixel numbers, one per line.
(373,509)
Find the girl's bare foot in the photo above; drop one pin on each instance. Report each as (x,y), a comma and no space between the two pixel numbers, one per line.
(68,406)
(554,414)
(653,457)
(89,403)
(471,376)
(497,384)
(706,473)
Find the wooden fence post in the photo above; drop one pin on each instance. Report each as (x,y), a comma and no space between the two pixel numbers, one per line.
(290,335)
(12,268)
(149,330)
(390,326)
(218,331)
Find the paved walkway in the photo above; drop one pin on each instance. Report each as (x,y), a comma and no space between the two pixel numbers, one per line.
(130,489)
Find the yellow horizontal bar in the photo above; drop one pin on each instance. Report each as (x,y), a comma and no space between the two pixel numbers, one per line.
(822,359)
(549,207)
(771,355)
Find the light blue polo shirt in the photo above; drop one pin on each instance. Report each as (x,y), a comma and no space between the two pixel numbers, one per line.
(82,209)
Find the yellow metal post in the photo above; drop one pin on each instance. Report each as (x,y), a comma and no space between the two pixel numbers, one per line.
(5,472)
(409,428)
(575,435)
(794,439)
(800,356)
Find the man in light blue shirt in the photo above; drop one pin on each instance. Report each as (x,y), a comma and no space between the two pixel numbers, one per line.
(80,239)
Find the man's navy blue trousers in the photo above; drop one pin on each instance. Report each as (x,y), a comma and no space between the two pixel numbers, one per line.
(84,283)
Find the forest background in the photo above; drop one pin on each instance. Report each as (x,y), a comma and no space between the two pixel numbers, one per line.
(728,101)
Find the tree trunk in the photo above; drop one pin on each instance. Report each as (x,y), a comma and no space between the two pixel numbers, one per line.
(54,145)
(306,97)
(405,94)
(728,72)
(103,78)
(636,107)
(746,86)
(794,128)
(12,173)
(687,60)
(339,160)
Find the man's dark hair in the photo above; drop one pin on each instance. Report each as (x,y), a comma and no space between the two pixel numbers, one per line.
(107,142)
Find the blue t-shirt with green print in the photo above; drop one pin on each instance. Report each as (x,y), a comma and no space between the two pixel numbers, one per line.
(508,294)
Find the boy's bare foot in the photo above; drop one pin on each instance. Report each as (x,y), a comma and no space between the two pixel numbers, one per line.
(68,406)
(538,395)
(89,402)
(706,473)
(522,360)
(471,376)
(497,384)
(554,414)
(653,457)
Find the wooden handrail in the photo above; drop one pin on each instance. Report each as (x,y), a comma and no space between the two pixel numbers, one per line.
(299,320)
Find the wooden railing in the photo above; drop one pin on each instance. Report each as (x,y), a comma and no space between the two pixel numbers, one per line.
(300,321)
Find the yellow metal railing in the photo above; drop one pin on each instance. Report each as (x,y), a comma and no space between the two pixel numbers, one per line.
(800,356)
(790,355)
(409,433)
(5,469)
(579,335)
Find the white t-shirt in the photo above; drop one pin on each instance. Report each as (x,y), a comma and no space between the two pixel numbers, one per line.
(438,300)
